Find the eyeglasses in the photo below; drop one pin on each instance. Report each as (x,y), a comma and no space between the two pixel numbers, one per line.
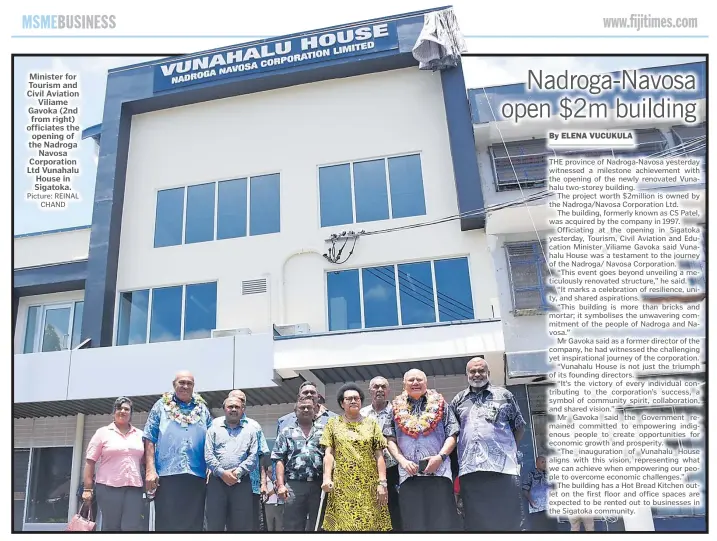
(127,410)
(352,399)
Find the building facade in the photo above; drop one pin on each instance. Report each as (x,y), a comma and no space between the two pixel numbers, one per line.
(512,159)
(309,207)
(225,241)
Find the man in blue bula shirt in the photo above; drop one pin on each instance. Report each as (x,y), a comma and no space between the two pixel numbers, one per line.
(257,474)
(174,454)
(231,451)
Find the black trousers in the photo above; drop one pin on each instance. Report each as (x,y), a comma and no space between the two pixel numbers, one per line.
(427,505)
(229,507)
(492,502)
(179,503)
(121,508)
(304,499)
(394,508)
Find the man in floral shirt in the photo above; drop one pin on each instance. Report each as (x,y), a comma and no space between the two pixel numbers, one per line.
(176,469)
(491,425)
(299,463)
(421,438)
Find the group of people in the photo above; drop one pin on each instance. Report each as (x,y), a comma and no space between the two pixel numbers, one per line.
(381,466)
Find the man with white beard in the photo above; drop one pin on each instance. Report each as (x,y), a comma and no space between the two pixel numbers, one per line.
(491,426)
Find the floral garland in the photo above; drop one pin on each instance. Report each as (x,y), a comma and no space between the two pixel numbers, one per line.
(423,424)
(175,414)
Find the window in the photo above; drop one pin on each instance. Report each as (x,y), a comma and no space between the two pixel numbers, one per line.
(20,466)
(371,190)
(218,210)
(404,294)
(49,488)
(167,314)
(524,164)
(527,272)
(53,327)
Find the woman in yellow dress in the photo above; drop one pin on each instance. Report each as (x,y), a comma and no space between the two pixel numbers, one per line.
(354,469)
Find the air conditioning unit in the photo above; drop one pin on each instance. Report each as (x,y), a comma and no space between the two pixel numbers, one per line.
(292,330)
(218,333)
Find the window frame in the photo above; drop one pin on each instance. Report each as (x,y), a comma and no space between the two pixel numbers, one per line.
(150,304)
(395,266)
(543,288)
(185,188)
(30,464)
(542,183)
(43,306)
(350,163)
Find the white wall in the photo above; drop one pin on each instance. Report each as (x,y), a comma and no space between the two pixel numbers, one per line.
(51,248)
(292,131)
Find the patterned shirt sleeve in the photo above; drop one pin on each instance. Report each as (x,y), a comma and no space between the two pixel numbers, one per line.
(281,448)
(207,417)
(327,438)
(94,449)
(263,446)
(516,418)
(151,428)
(389,429)
(379,442)
(450,421)
(528,483)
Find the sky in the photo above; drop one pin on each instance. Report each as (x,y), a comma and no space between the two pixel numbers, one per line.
(92,75)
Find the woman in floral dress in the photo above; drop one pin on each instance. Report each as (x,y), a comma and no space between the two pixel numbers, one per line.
(354,469)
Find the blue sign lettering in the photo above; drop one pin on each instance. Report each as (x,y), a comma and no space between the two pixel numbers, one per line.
(275,55)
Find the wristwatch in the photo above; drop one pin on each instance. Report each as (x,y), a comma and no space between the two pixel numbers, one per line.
(383,483)
(443,457)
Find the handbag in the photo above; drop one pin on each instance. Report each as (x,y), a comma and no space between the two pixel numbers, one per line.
(79,523)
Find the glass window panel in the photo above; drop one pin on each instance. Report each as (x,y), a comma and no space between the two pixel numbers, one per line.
(49,490)
(231,209)
(77,324)
(335,195)
(406,180)
(31,329)
(416,288)
(200,312)
(169,218)
(56,329)
(166,323)
(265,212)
(370,191)
(200,213)
(344,300)
(524,274)
(133,310)
(453,282)
(379,297)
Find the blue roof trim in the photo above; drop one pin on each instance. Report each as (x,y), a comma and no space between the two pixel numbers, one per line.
(287,36)
(384,329)
(52,231)
(481,112)
(50,279)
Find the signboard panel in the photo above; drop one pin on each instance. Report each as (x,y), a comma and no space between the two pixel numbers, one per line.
(274,55)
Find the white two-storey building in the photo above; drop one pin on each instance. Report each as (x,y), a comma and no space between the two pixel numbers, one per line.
(264,215)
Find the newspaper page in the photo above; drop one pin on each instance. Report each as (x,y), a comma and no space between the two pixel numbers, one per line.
(479,230)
